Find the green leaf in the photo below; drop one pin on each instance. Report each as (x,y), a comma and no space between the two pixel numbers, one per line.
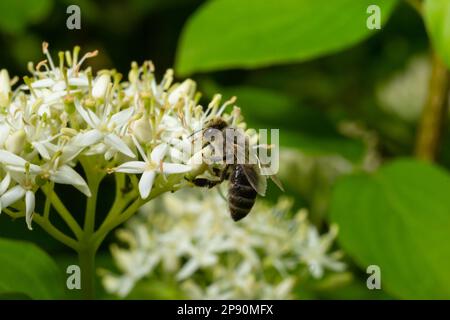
(437,21)
(226,34)
(26,269)
(15,15)
(399,219)
(323,145)
(263,105)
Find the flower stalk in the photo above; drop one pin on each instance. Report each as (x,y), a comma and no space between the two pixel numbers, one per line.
(86,260)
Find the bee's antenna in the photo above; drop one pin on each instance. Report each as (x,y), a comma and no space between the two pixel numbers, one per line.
(195,132)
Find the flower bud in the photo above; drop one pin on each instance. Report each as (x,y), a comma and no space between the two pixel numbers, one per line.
(89,102)
(69,132)
(101,85)
(41,180)
(142,129)
(133,75)
(16,142)
(69,105)
(5,88)
(184,89)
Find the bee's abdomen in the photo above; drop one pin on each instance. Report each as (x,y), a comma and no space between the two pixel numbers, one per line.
(241,196)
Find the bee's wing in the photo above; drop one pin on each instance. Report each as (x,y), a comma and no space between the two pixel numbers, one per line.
(267,173)
(277,181)
(256,180)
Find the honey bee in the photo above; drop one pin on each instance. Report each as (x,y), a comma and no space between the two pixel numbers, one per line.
(245,180)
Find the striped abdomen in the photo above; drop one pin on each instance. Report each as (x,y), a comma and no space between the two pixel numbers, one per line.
(241,195)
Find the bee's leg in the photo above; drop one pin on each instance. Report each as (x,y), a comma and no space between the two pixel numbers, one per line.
(202,182)
(219,189)
(225,173)
(221,174)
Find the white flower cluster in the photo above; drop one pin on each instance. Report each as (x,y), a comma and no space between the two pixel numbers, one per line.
(191,236)
(63,114)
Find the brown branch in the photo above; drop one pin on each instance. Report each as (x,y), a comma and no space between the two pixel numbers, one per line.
(434,112)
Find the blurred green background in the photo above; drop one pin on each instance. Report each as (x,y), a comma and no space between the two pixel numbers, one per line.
(346,99)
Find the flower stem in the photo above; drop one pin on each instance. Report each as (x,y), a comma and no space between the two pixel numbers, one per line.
(94,178)
(433,115)
(91,207)
(63,212)
(87,248)
(48,200)
(46,225)
(86,259)
(116,220)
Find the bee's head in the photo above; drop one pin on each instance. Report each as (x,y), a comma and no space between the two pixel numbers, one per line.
(213,127)
(217,123)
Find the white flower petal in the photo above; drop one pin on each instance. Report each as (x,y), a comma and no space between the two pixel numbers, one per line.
(29,208)
(101,85)
(59,86)
(42,150)
(142,129)
(188,269)
(67,175)
(5,83)
(10,158)
(146,183)
(34,169)
(122,117)
(70,152)
(16,163)
(114,141)
(93,117)
(182,90)
(159,152)
(43,83)
(316,269)
(5,183)
(4,133)
(313,238)
(13,195)
(83,113)
(55,96)
(175,168)
(139,147)
(88,138)
(78,82)
(134,167)
(15,169)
